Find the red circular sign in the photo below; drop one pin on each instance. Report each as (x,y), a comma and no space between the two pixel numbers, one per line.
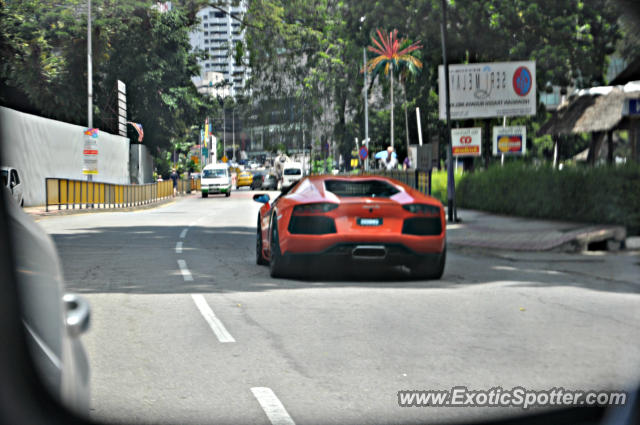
(522,81)
(465,140)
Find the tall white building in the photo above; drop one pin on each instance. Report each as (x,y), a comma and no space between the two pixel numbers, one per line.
(218,34)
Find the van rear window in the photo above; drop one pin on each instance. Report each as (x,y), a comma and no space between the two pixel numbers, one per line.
(361,188)
(216,172)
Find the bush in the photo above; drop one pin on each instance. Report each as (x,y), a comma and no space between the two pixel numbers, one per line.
(608,195)
(439,184)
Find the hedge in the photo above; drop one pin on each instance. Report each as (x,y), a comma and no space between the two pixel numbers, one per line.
(608,195)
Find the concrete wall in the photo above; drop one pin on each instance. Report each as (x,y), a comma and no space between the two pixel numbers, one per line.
(39,148)
(141,164)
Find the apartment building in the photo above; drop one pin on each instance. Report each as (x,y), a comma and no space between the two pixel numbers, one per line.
(218,33)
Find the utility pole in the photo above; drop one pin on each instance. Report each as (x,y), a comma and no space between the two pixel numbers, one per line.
(451,190)
(89,76)
(233,133)
(224,133)
(366,106)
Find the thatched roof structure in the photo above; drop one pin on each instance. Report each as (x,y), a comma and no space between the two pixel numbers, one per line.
(592,110)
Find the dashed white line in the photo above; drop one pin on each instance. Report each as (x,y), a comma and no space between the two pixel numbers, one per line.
(186,274)
(178,247)
(184,233)
(216,325)
(272,406)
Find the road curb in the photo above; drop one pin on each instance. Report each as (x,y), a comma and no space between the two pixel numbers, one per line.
(77,211)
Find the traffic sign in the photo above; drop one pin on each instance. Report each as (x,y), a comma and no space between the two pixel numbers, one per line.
(364,153)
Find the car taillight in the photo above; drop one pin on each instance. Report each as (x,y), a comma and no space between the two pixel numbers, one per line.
(422,209)
(314,208)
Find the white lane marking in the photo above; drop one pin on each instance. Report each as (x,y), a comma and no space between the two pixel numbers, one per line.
(216,325)
(184,233)
(44,347)
(186,274)
(274,409)
(178,247)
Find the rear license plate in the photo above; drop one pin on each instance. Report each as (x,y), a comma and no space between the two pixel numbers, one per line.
(369,221)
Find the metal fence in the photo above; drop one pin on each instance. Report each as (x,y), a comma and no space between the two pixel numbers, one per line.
(85,194)
(417,179)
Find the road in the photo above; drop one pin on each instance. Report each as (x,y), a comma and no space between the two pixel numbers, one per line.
(186,328)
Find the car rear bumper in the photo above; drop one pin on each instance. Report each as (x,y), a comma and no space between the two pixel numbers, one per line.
(216,189)
(388,254)
(323,244)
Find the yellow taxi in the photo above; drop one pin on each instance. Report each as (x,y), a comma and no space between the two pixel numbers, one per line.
(245,178)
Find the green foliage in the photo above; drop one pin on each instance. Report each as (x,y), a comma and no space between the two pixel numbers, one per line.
(439,184)
(597,195)
(314,49)
(45,44)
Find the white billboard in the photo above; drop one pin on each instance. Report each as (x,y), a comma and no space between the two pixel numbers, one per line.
(510,140)
(484,90)
(466,141)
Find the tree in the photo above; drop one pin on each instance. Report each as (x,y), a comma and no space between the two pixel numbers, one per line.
(44,44)
(393,53)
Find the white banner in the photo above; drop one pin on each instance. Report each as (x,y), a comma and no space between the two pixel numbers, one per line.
(466,141)
(483,90)
(509,140)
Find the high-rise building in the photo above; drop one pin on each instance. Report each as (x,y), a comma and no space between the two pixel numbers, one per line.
(218,34)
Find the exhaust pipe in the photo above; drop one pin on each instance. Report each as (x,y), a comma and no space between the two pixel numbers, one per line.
(369,252)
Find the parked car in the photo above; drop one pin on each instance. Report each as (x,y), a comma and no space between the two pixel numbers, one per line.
(12,181)
(54,321)
(270,182)
(256,183)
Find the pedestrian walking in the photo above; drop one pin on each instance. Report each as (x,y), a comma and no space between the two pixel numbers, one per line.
(174,178)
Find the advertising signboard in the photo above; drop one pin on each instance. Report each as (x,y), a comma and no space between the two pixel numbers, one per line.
(90,151)
(509,140)
(466,141)
(484,90)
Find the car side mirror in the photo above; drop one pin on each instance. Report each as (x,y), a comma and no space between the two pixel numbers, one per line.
(13,184)
(78,314)
(263,198)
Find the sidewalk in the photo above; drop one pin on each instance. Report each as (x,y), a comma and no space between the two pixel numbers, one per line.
(485,230)
(40,211)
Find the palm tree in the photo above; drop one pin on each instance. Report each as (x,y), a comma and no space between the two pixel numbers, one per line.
(392,54)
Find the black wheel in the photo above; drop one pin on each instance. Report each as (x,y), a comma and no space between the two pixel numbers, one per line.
(276,263)
(228,193)
(260,260)
(205,194)
(431,270)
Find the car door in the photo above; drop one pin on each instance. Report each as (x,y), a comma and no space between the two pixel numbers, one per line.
(16,186)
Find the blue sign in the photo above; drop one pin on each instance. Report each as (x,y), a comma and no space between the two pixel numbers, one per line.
(364,153)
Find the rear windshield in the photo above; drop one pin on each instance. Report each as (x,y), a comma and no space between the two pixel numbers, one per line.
(292,171)
(216,172)
(362,188)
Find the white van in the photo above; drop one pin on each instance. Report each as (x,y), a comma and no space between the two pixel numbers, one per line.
(291,173)
(215,179)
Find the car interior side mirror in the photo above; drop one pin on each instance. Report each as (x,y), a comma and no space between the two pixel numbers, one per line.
(263,198)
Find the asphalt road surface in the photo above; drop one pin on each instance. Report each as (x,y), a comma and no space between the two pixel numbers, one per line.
(186,328)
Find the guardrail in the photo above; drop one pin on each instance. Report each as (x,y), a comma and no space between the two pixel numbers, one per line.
(71,193)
